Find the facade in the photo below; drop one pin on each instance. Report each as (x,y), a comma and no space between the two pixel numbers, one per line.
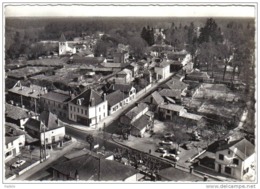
(88,108)
(56,103)
(120,57)
(46,128)
(123,77)
(27,97)
(162,71)
(139,126)
(127,89)
(235,159)
(168,111)
(12,146)
(116,100)
(65,47)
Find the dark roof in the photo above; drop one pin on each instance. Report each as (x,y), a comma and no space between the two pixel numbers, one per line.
(87,96)
(198,74)
(55,96)
(141,123)
(10,139)
(15,112)
(172,107)
(47,118)
(123,87)
(170,93)
(62,38)
(157,97)
(176,84)
(87,60)
(88,166)
(173,174)
(136,110)
(242,148)
(115,97)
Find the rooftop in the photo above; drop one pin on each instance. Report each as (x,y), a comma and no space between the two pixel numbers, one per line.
(136,110)
(87,98)
(56,96)
(115,97)
(176,84)
(141,122)
(172,107)
(95,168)
(170,93)
(16,112)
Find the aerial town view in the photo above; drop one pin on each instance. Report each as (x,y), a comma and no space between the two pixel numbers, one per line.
(129,99)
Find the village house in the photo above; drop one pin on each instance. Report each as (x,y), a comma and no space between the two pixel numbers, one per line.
(122,77)
(121,57)
(12,146)
(56,102)
(168,111)
(141,125)
(162,70)
(46,128)
(24,96)
(91,167)
(17,115)
(116,100)
(154,100)
(127,89)
(65,47)
(88,108)
(233,158)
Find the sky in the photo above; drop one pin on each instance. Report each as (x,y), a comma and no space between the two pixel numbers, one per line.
(56,10)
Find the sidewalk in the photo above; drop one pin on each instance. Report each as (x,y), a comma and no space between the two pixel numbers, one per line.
(54,155)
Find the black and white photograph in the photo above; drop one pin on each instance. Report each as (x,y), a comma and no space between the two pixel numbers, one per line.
(129,93)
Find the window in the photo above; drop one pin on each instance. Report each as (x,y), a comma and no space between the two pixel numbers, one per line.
(86,112)
(8,154)
(81,111)
(74,109)
(70,108)
(99,109)
(71,116)
(228,170)
(235,161)
(104,115)
(99,117)
(245,170)
(104,107)
(228,152)
(221,157)
(78,110)
(168,111)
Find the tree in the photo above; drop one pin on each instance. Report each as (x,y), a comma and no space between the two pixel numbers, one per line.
(137,46)
(90,140)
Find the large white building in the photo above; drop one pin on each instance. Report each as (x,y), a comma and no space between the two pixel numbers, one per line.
(88,108)
(12,146)
(65,47)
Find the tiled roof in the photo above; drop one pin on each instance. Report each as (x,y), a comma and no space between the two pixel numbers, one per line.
(115,97)
(141,123)
(173,174)
(170,93)
(123,87)
(15,112)
(136,110)
(55,96)
(176,84)
(191,116)
(89,167)
(10,139)
(198,74)
(87,96)
(172,107)
(157,97)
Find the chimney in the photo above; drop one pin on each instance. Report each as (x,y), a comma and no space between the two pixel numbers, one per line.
(105,96)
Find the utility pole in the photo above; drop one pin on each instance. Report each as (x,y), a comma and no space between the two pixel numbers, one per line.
(44,142)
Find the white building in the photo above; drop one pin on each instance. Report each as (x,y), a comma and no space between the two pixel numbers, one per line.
(65,47)
(88,108)
(162,71)
(45,127)
(12,146)
(235,159)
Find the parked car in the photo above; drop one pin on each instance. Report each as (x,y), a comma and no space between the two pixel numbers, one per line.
(161,150)
(171,157)
(18,163)
(165,142)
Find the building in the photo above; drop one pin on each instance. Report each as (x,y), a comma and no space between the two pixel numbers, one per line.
(90,167)
(12,146)
(168,111)
(116,100)
(134,114)
(65,47)
(127,89)
(199,76)
(154,100)
(27,97)
(162,70)
(46,128)
(141,125)
(17,115)
(56,102)
(88,108)
(121,57)
(232,157)
(122,77)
